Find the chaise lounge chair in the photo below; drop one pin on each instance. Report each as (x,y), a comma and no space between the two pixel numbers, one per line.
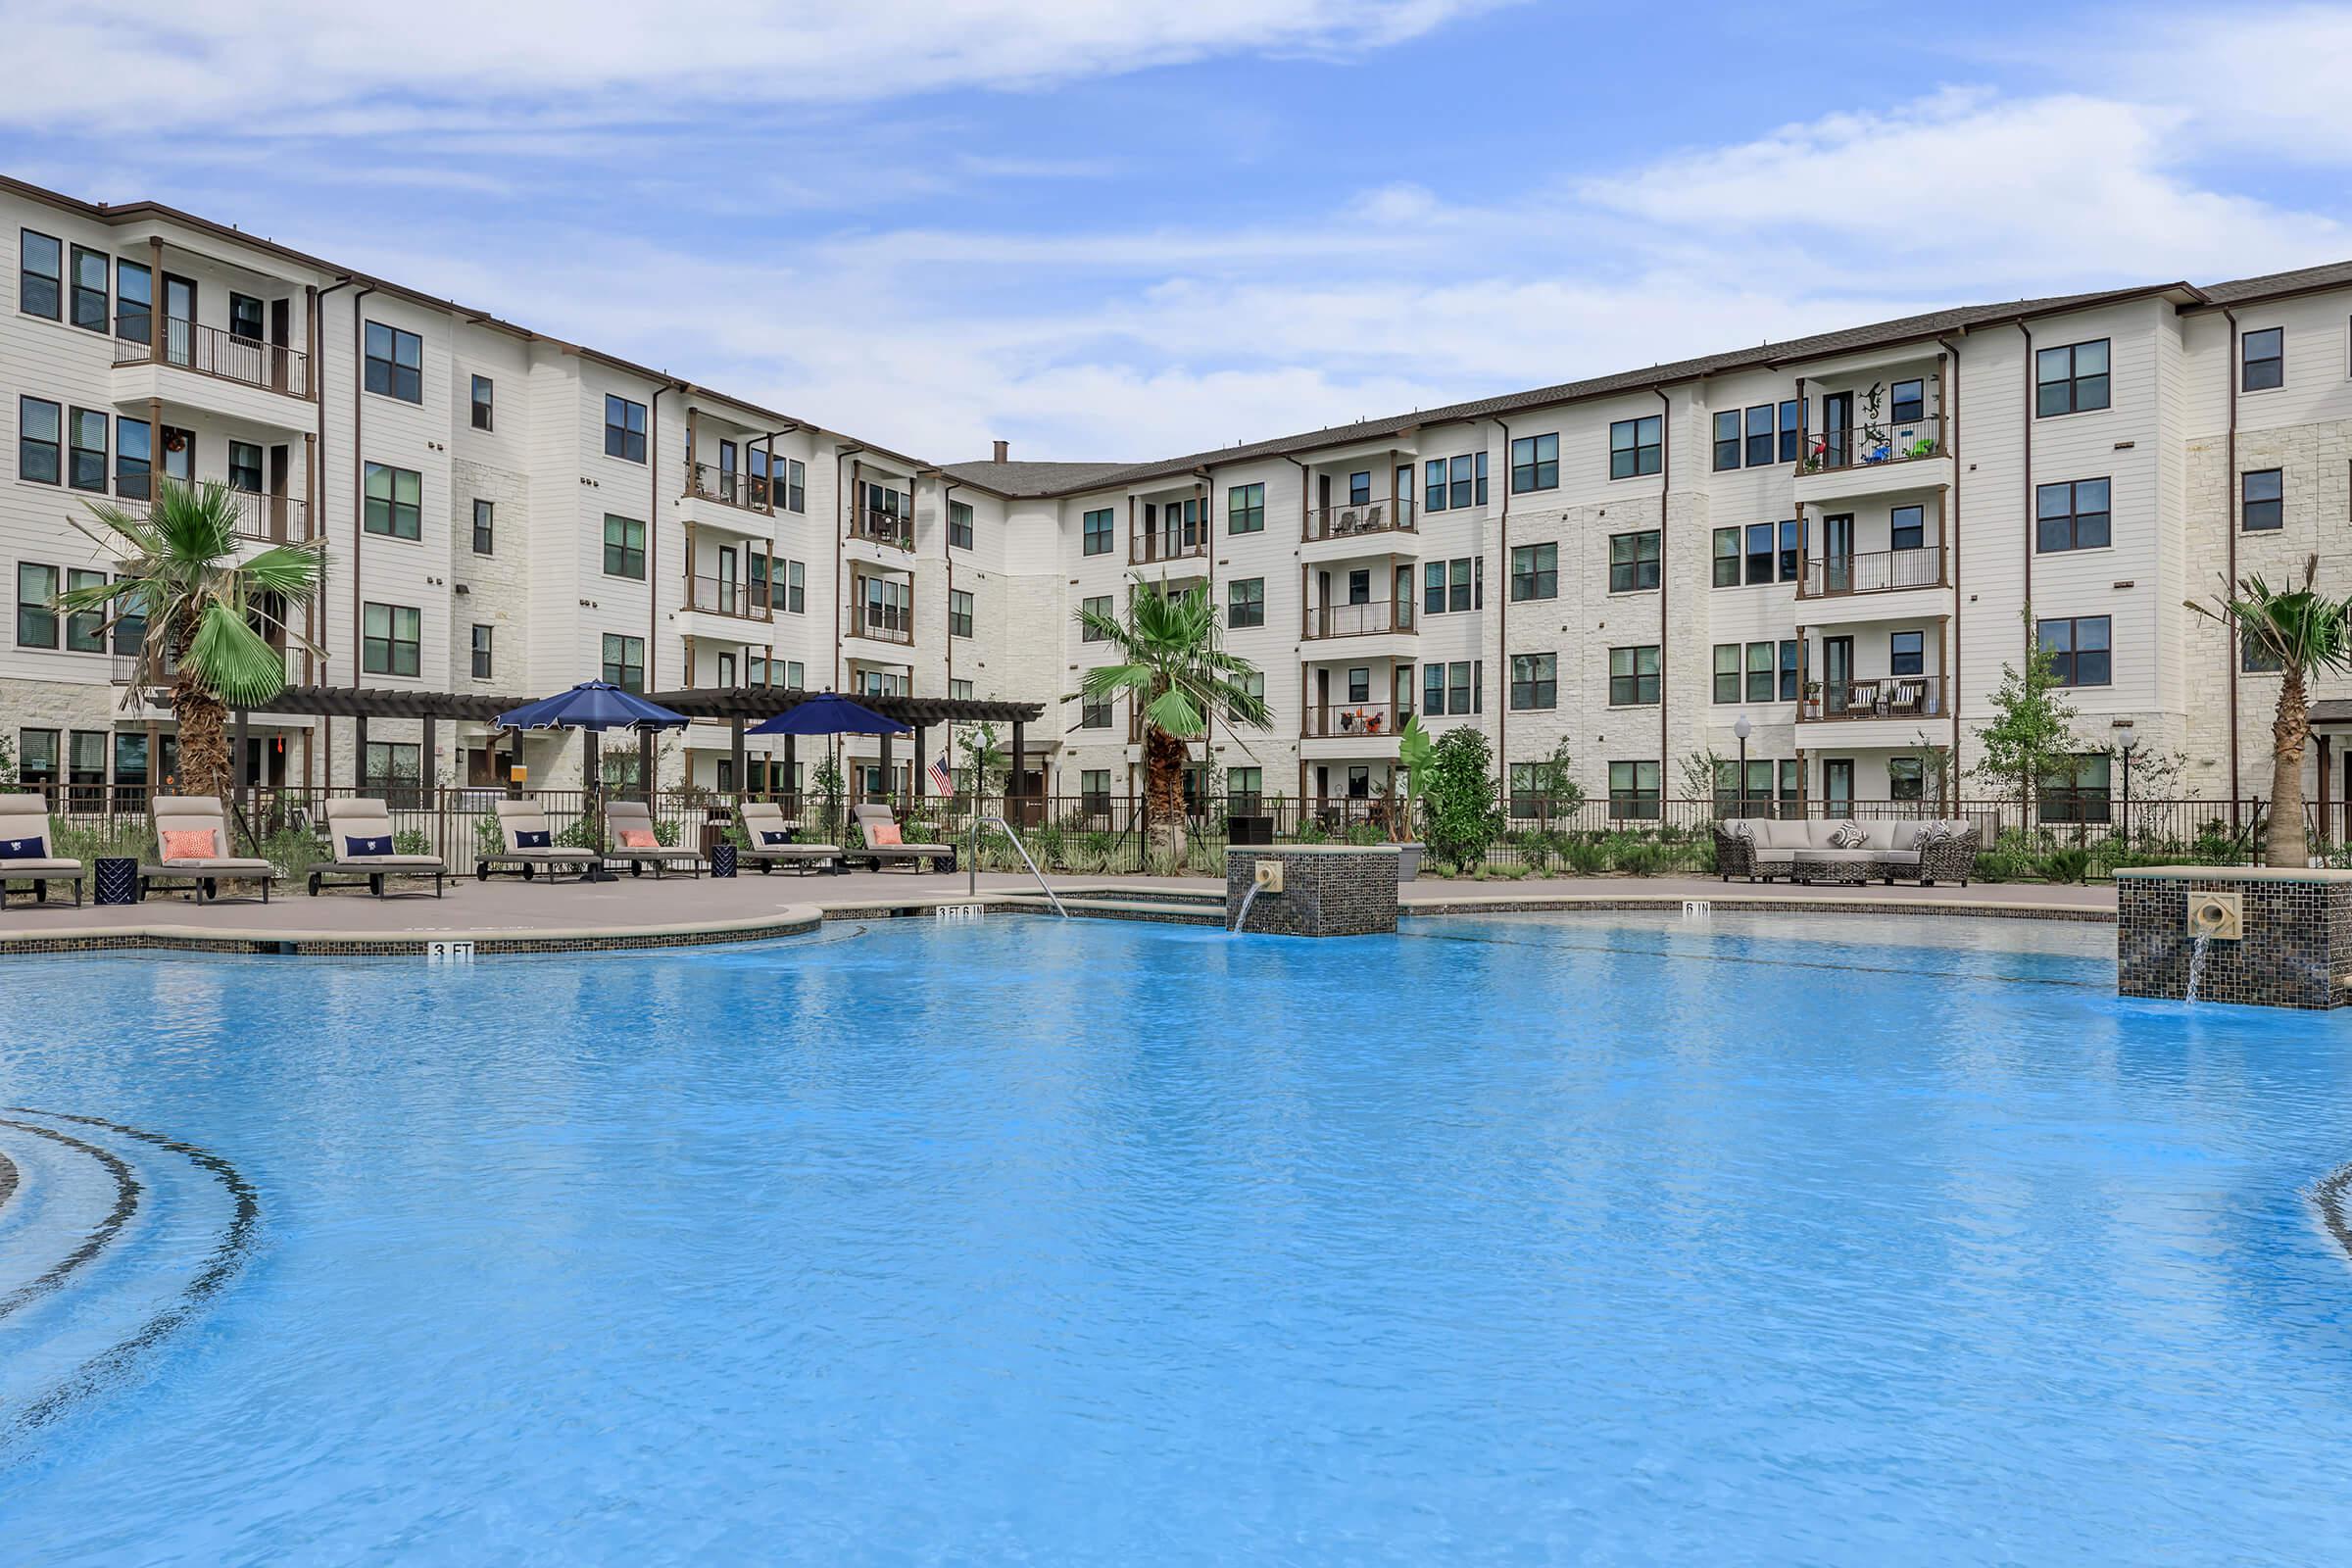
(767,842)
(629,836)
(191,834)
(359,837)
(24,850)
(876,821)
(529,845)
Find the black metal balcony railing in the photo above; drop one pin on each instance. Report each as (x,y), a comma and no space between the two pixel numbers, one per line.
(1877,572)
(883,623)
(1880,696)
(1359,518)
(1353,720)
(883,528)
(727,486)
(726,596)
(1870,444)
(1359,620)
(1160,544)
(211,351)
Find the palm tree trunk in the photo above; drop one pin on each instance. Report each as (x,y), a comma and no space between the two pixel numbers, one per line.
(1164,791)
(2285,842)
(204,767)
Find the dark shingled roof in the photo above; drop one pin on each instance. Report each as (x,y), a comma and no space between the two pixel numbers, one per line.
(2335,274)
(1069,478)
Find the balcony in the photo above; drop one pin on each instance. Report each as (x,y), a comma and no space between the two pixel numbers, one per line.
(1157,546)
(1353,721)
(726,596)
(267,519)
(1878,571)
(1888,696)
(1356,520)
(883,623)
(890,529)
(1874,458)
(1376,619)
(211,351)
(729,488)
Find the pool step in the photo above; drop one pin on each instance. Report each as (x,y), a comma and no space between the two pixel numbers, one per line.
(1107,906)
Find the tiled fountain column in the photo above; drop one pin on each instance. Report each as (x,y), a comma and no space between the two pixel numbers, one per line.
(2296,951)
(1329,890)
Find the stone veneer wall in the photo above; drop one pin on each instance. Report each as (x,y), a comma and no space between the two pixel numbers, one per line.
(2296,953)
(1328,891)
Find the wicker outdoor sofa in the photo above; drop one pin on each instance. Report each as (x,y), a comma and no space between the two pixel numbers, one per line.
(1926,851)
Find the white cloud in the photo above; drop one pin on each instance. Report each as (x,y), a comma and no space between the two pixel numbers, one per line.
(2267,79)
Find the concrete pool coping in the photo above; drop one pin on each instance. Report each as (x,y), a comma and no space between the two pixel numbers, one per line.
(512,916)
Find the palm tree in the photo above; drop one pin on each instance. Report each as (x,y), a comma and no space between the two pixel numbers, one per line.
(1177,673)
(206,613)
(2301,633)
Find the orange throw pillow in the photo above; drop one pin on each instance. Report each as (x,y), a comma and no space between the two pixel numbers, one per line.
(637,837)
(188,844)
(882,835)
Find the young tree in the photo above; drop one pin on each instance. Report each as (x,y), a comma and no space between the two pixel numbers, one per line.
(985,760)
(2301,633)
(2031,733)
(1461,813)
(1551,781)
(208,613)
(1177,673)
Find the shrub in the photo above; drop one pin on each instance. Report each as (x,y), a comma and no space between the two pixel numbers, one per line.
(1462,815)
(2067,865)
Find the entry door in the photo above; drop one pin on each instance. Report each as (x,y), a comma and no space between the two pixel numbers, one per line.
(180,319)
(1837,783)
(1836,429)
(1836,675)
(281,467)
(281,328)
(726,582)
(179,455)
(1322,702)
(726,470)
(1838,553)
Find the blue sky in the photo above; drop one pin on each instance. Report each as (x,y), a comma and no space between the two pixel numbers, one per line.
(1131,230)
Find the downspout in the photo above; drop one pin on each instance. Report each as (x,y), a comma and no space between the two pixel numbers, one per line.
(317,611)
(1951,544)
(1665,490)
(947,552)
(2027,469)
(2237,493)
(653,546)
(359,494)
(1502,621)
(1303,499)
(846,510)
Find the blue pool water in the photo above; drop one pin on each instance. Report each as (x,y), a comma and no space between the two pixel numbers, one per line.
(1506,1241)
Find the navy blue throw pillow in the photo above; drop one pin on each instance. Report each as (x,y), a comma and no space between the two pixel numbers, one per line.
(771,836)
(357,847)
(20,850)
(527,840)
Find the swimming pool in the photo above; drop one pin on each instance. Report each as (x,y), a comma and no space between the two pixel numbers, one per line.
(1821,1240)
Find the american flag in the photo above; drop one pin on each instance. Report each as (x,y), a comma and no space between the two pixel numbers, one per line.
(942,774)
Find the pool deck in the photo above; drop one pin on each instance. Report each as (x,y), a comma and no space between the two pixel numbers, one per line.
(509,914)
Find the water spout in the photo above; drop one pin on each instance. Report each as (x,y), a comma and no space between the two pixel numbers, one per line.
(2196,961)
(1242,920)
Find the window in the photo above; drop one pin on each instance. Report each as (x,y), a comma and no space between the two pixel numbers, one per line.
(1457,688)
(1793,415)
(86,629)
(796,678)
(481,651)
(395,363)
(40,275)
(132,458)
(391,637)
(2075,791)
(624,547)
(1762,555)
(89,289)
(1246,509)
(482,394)
(395,501)
(1789,532)
(1535,681)
(2255,657)
(130,626)
(134,302)
(1789,669)
(85,758)
(1633,676)
(1759,435)
(245,468)
(485,532)
(1632,789)
(387,764)
(244,317)
(1359,488)
(1094,713)
(2072,516)
(1633,562)
(2263,495)
(1909,403)
(624,429)
(2072,379)
(959,612)
(1727,558)
(2080,651)
(1244,785)
(36,756)
(1359,684)
(794,588)
(1906,652)
(1451,586)
(1760,659)
(1906,529)
(1097,535)
(1727,672)
(1535,571)
(1635,447)
(1906,778)
(40,430)
(86,466)
(796,484)
(1098,605)
(2263,359)
(1727,440)
(179,455)
(1452,483)
(36,621)
(624,661)
(1535,462)
(1245,601)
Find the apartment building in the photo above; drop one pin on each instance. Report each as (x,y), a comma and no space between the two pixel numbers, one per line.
(1841,540)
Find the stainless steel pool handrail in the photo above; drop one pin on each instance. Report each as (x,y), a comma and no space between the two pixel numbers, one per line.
(972,879)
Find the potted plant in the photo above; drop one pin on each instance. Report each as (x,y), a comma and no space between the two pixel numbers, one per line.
(1415,752)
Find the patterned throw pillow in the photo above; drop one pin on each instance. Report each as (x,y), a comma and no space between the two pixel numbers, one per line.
(1848,836)
(772,837)
(1740,827)
(1933,836)
(19,849)
(531,839)
(359,849)
(882,835)
(188,844)
(639,838)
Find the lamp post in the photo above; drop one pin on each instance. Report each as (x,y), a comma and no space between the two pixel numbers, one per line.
(2127,739)
(1743,728)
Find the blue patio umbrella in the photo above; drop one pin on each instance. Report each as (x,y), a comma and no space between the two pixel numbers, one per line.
(828,713)
(593,706)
